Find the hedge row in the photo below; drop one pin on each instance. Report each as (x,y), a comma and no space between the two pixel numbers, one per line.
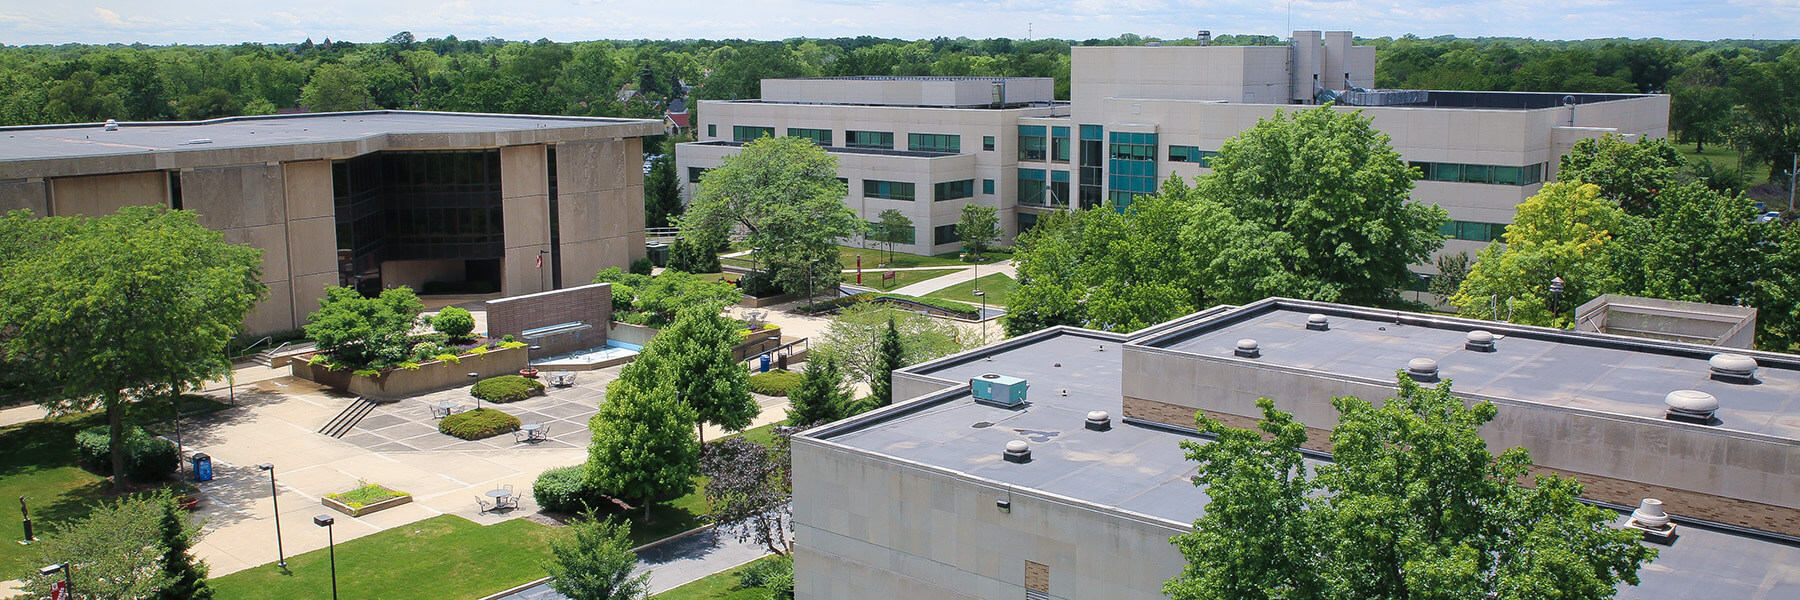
(774,383)
(478,424)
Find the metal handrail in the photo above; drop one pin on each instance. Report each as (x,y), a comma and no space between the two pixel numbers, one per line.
(788,346)
(277,350)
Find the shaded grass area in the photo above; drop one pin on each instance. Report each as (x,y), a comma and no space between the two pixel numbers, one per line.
(718,586)
(901,278)
(442,557)
(998,287)
(1722,156)
(876,257)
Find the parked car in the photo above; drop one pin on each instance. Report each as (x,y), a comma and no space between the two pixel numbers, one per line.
(1769,217)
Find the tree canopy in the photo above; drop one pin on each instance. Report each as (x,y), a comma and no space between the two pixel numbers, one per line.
(131,547)
(784,194)
(593,560)
(644,444)
(979,227)
(821,396)
(1629,174)
(853,339)
(362,331)
(695,354)
(1412,505)
(1566,230)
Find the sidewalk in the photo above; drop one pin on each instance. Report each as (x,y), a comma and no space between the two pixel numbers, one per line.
(922,288)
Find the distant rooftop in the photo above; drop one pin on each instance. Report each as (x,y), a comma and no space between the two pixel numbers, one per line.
(322,135)
(1532,365)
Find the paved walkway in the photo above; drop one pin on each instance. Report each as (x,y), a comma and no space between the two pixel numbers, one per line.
(937,283)
(672,563)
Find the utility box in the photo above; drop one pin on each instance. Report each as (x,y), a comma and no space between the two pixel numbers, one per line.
(999,390)
(658,253)
(202,467)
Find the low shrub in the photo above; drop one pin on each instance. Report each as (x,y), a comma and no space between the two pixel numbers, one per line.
(478,424)
(775,573)
(455,323)
(147,458)
(507,388)
(566,490)
(759,285)
(774,383)
(368,494)
(642,266)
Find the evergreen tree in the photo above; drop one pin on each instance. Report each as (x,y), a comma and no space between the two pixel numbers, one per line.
(697,352)
(887,358)
(187,575)
(644,446)
(821,396)
(594,561)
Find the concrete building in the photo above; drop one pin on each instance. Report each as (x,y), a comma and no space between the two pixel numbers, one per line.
(518,204)
(928,498)
(1138,114)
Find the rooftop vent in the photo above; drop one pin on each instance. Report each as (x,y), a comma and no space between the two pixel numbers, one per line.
(1152,44)
(1480,341)
(1098,420)
(200,141)
(1017,451)
(112,125)
(1247,348)
(1318,323)
(1692,406)
(1650,518)
(998,390)
(1735,368)
(1422,370)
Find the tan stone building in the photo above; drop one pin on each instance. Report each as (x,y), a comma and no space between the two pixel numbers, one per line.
(374,199)
(932,498)
(1138,114)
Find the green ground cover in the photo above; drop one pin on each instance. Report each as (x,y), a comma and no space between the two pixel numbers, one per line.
(997,286)
(717,586)
(872,278)
(1723,156)
(441,557)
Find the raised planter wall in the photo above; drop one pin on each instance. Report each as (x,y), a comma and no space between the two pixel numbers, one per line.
(637,335)
(429,377)
(366,509)
(750,302)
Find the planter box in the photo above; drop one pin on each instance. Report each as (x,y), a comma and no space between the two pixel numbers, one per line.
(368,508)
(752,302)
(429,377)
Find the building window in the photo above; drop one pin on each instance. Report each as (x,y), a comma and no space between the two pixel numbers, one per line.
(987,143)
(933,142)
(1027,220)
(907,235)
(953,190)
(891,190)
(694,174)
(987,186)
(747,133)
(879,140)
(944,234)
(1059,144)
(1473,231)
(1093,132)
(1490,174)
(821,137)
(1093,158)
(1032,185)
(1031,142)
(1133,165)
(712,130)
(1191,154)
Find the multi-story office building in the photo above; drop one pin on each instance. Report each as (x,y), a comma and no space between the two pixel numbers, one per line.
(375,199)
(1074,490)
(1138,114)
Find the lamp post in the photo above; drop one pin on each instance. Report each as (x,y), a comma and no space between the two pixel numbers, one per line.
(542,277)
(275,496)
(1556,292)
(331,543)
(812,265)
(472,377)
(754,250)
(983,316)
(68,582)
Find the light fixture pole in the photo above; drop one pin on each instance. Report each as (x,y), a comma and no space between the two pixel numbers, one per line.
(331,543)
(275,496)
(1556,292)
(68,582)
(542,274)
(472,377)
(812,265)
(983,316)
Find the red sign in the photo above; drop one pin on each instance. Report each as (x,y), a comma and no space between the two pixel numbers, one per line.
(59,590)
(888,275)
(540,261)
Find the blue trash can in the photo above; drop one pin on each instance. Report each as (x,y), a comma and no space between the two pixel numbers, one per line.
(765,364)
(202,467)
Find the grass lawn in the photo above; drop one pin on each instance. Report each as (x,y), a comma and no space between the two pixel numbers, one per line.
(764,435)
(715,276)
(717,586)
(1723,156)
(441,557)
(872,278)
(997,286)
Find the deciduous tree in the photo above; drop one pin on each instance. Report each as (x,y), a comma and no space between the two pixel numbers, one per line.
(695,355)
(894,228)
(117,551)
(336,86)
(783,193)
(979,227)
(1566,230)
(593,560)
(1628,173)
(750,488)
(644,447)
(363,331)
(853,339)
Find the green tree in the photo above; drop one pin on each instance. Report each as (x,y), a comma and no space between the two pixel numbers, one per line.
(455,323)
(894,228)
(1700,100)
(1777,292)
(1700,247)
(117,551)
(1566,231)
(821,396)
(1628,173)
(363,331)
(783,193)
(187,574)
(138,303)
(697,353)
(1768,119)
(887,358)
(1333,199)
(644,446)
(852,338)
(1452,270)
(593,561)
(979,227)
(336,86)
(662,193)
(1413,505)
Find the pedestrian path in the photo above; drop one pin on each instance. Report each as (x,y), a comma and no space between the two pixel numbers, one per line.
(672,563)
(937,283)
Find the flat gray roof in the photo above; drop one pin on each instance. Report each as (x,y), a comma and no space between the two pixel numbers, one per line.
(1586,371)
(80,149)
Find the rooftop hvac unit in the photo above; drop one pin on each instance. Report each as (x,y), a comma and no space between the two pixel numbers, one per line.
(998,390)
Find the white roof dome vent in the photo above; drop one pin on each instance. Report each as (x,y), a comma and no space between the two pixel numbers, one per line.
(1098,420)
(1692,406)
(1480,341)
(1734,368)
(1318,322)
(1247,348)
(1017,451)
(1652,520)
(1422,370)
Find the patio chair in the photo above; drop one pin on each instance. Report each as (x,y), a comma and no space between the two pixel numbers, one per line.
(485,505)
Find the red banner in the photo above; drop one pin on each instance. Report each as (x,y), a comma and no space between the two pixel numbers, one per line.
(888,275)
(59,590)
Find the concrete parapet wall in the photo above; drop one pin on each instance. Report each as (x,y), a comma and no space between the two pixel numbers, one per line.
(429,377)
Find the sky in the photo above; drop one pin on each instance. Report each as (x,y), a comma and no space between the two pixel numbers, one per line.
(25,22)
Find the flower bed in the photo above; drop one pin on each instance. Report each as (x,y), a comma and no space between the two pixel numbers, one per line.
(366,499)
(446,370)
(478,424)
